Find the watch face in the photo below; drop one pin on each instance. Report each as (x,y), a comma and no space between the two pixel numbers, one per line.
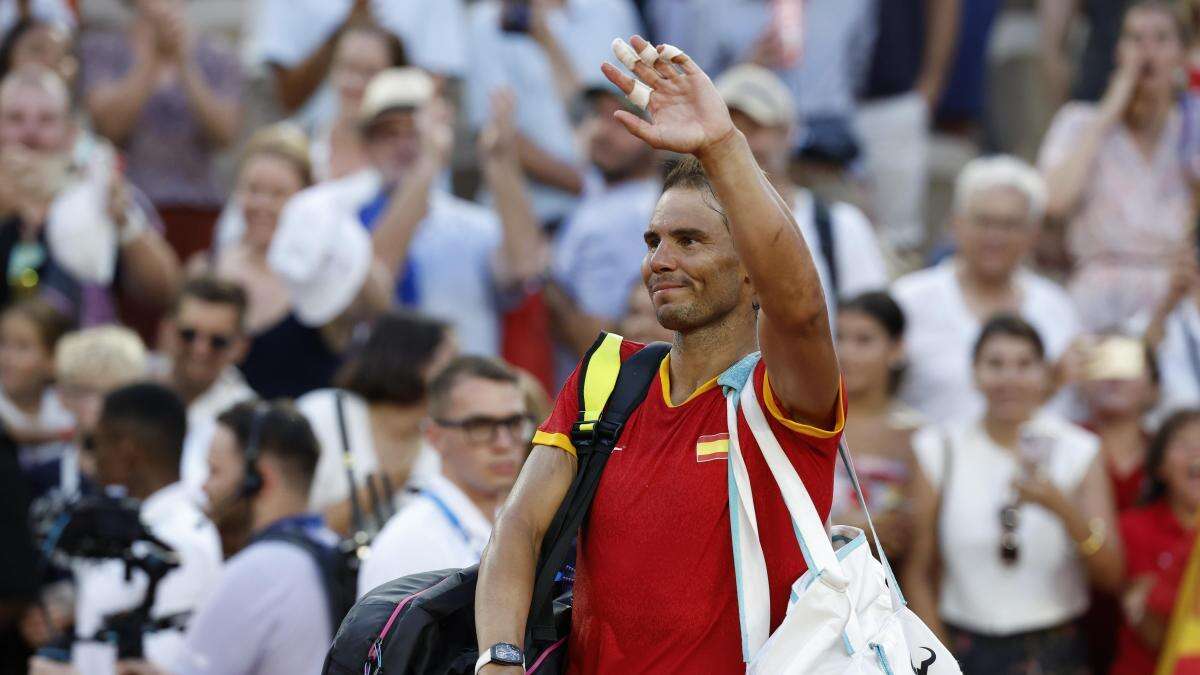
(509,654)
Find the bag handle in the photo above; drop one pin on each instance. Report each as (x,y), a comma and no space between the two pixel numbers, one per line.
(898,600)
(749,563)
(810,529)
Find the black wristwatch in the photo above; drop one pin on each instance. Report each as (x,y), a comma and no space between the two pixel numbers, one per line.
(503,654)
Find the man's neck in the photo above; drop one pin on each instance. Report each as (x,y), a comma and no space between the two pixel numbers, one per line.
(487,502)
(702,354)
(28,401)
(190,391)
(270,509)
(1122,440)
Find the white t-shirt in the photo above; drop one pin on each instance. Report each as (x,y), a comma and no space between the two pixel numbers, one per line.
(229,390)
(1047,586)
(1179,359)
(267,616)
(440,528)
(330,483)
(51,11)
(172,515)
(940,334)
(856,251)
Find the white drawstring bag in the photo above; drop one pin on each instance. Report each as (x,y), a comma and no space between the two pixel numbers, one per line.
(846,613)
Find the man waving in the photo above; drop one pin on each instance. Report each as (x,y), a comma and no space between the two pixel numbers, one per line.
(727,270)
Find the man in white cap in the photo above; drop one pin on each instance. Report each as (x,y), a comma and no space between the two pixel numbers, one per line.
(841,238)
(444,256)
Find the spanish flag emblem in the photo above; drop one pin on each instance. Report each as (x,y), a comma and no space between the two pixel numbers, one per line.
(715,446)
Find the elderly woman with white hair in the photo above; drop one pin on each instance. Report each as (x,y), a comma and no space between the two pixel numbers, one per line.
(998,207)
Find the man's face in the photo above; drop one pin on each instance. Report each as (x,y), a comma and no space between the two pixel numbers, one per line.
(691,269)
(207,339)
(770,145)
(615,152)
(483,435)
(33,118)
(393,143)
(995,232)
(226,468)
(112,452)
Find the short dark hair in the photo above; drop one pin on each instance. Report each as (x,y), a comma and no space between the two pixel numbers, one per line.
(153,416)
(1154,487)
(390,365)
(687,173)
(50,323)
(284,434)
(1008,325)
(884,310)
(211,289)
(464,367)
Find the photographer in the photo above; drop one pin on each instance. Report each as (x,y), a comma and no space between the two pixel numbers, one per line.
(138,442)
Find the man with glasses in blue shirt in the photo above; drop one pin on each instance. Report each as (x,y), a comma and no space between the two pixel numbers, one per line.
(480,425)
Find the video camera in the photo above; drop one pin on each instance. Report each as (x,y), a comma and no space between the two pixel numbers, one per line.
(109,527)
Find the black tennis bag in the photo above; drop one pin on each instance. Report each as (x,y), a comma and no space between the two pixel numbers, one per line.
(425,623)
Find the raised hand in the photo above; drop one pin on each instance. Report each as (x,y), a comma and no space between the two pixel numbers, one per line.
(499,137)
(435,120)
(687,113)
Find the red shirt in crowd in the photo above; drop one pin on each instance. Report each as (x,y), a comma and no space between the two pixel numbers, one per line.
(1156,545)
(654,578)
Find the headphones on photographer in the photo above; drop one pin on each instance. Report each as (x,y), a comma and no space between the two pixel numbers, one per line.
(252,480)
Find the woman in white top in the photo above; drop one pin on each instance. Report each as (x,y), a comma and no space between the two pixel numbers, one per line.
(370,427)
(1014,519)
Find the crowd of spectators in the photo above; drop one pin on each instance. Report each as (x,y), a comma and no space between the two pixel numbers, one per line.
(315,265)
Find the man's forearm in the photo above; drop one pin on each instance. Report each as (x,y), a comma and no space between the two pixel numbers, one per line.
(522,240)
(404,213)
(117,106)
(547,169)
(506,583)
(941,17)
(765,233)
(150,269)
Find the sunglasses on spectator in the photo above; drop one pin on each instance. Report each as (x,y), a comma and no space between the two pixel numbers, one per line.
(1009,549)
(216,341)
(481,429)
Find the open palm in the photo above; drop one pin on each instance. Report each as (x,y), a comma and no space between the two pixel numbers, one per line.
(686,111)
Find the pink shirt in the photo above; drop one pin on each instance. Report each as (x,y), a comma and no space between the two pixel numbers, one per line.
(1134,214)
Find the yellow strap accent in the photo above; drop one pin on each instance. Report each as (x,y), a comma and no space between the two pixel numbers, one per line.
(600,377)
(1183,630)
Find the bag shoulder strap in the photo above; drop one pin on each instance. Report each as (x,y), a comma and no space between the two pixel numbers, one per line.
(326,562)
(357,518)
(823,220)
(609,393)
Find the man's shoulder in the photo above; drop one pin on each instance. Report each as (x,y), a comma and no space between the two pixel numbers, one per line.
(912,286)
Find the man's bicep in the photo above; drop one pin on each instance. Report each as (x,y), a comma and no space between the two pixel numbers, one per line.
(541,487)
(803,372)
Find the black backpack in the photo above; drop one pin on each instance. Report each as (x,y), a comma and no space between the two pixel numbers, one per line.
(425,623)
